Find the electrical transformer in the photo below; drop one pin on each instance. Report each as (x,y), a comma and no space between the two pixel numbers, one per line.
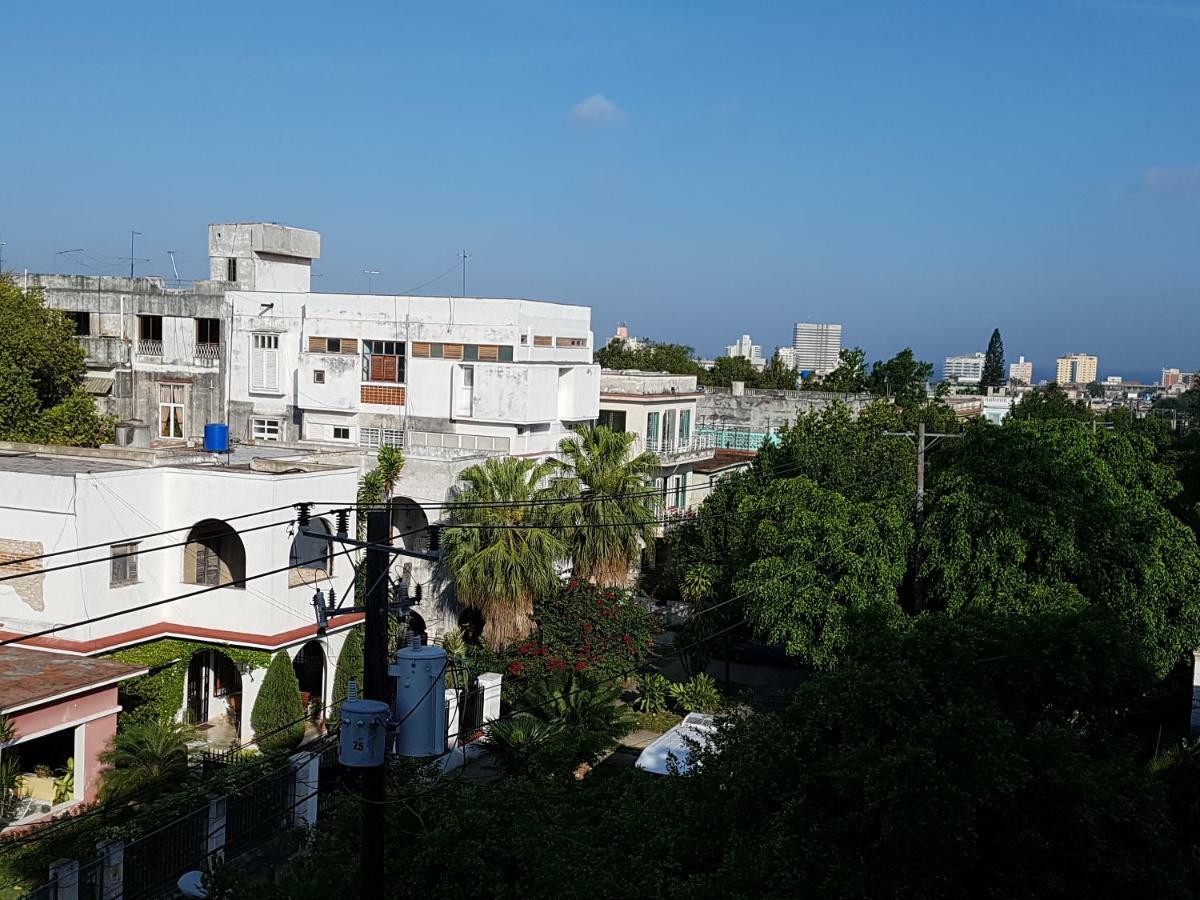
(363,733)
(420,712)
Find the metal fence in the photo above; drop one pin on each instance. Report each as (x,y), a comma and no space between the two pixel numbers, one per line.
(154,862)
(258,813)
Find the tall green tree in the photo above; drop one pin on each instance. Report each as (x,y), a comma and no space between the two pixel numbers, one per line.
(650,356)
(993,364)
(41,368)
(278,716)
(375,488)
(350,664)
(728,369)
(608,500)
(850,376)
(143,753)
(903,378)
(502,547)
(778,375)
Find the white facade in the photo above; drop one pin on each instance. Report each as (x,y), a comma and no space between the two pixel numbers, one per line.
(817,345)
(965,367)
(787,356)
(660,411)
(747,349)
(503,376)
(1021,371)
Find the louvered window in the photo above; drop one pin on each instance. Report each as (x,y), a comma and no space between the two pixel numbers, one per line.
(264,363)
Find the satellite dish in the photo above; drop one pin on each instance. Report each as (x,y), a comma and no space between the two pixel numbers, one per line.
(191,884)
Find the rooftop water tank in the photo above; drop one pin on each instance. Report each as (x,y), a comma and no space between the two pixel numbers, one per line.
(216,437)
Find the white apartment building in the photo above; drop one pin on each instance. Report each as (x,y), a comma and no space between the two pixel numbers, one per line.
(1021,371)
(817,345)
(966,367)
(747,349)
(234,523)
(787,356)
(660,410)
(1076,368)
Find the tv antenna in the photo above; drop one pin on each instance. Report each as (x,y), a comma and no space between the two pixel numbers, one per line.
(174,268)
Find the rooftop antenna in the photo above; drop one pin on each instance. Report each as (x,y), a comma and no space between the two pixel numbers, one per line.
(64,253)
(464,268)
(174,268)
(132,234)
(371,273)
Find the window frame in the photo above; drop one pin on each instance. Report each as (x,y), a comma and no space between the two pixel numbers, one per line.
(172,404)
(127,563)
(231,269)
(337,428)
(263,343)
(381,348)
(318,376)
(155,324)
(204,323)
(80,317)
(266,422)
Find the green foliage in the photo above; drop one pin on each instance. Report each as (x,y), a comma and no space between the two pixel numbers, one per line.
(727,369)
(604,486)
(1048,403)
(521,740)
(496,569)
(777,375)
(144,753)
(10,769)
(993,364)
(1095,389)
(650,357)
(64,784)
(604,632)
(41,367)
(159,694)
(1045,516)
(903,378)
(278,716)
(652,693)
(350,664)
(698,694)
(586,718)
(850,376)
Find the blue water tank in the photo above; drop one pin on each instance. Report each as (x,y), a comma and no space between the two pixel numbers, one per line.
(216,437)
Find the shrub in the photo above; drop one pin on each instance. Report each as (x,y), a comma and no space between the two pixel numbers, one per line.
(278,712)
(698,695)
(153,752)
(652,693)
(349,665)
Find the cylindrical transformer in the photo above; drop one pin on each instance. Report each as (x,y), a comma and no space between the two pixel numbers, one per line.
(420,700)
(364,731)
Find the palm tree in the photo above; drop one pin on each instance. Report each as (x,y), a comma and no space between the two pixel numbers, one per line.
(10,770)
(375,487)
(608,489)
(588,714)
(153,752)
(520,740)
(500,557)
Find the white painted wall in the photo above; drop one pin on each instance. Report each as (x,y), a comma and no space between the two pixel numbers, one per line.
(67,511)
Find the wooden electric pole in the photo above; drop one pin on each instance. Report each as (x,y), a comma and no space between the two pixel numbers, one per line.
(375,687)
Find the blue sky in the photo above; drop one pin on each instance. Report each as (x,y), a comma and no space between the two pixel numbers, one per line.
(921,172)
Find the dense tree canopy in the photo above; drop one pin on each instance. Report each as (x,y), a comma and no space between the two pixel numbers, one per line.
(650,356)
(993,364)
(41,366)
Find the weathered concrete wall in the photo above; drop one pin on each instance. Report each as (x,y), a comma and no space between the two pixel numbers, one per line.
(768,410)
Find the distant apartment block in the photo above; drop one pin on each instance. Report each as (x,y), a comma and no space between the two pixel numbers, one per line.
(1021,371)
(787,356)
(1076,368)
(622,335)
(966,367)
(817,346)
(747,349)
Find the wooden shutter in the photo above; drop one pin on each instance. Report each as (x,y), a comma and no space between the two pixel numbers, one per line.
(420,350)
(452,351)
(317,345)
(543,340)
(383,368)
(350,345)
(489,353)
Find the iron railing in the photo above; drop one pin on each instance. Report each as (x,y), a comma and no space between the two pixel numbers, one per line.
(146,347)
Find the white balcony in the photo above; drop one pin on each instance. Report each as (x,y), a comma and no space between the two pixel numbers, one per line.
(672,452)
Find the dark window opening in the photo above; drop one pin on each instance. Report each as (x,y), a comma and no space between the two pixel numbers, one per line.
(612,419)
(150,328)
(231,270)
(208,331)
(81,320)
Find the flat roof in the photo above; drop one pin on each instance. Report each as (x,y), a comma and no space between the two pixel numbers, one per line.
(724,459)
(31,677)
(31,464)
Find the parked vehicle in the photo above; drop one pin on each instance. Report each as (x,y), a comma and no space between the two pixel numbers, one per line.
(674,749)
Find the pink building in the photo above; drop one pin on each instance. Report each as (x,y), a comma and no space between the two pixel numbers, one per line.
(61,707)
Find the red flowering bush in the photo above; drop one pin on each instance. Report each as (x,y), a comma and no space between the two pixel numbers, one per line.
(603,632)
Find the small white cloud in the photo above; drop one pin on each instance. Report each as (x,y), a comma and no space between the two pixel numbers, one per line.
(597,110)
(1180,180)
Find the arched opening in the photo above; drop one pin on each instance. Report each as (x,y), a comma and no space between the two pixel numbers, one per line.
(214,554)
(311,558)
(214,697)
(309,666)
(470,624)
(409,524)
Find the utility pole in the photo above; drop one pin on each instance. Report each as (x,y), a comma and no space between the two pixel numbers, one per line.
(3,244)
(924,441)
(464,268)
(131,258)
(375,687)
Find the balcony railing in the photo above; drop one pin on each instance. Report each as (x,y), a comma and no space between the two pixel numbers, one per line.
(697,446)
(146,347)
(208,352)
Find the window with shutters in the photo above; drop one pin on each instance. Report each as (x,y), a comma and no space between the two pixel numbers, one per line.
(571,342)
(123,566)
(543,340)
(383,361)
(465,352)
(264,363)
(214,555)
(347,346)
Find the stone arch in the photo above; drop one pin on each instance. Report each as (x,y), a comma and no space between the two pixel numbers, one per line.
(311,559)
(408,518)
(214,554)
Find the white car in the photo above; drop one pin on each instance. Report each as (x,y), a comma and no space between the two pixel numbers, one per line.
(696,729)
